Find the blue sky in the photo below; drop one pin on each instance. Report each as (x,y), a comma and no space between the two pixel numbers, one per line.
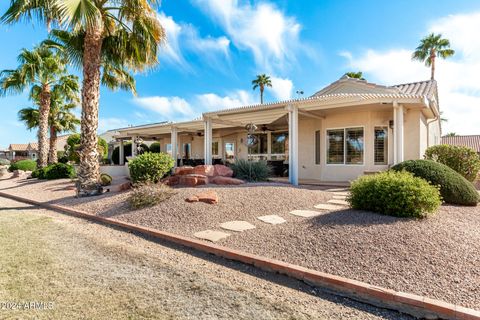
(216,47)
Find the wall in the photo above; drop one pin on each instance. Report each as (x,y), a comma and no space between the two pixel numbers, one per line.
(115,171)
(412,134)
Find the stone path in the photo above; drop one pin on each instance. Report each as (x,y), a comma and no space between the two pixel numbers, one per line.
(338,202)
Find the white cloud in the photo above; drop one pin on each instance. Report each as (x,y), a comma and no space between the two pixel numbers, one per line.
(459,88)
(167,107)
(281,88)
(263,29)
(212,101)
(105,124)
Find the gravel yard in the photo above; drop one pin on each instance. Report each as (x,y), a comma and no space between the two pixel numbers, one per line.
(89,271)
(438,257)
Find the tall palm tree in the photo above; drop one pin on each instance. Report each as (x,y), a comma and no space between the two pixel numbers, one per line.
(110,36)
(355,75)
(40,69)
(431,47)
(261,82)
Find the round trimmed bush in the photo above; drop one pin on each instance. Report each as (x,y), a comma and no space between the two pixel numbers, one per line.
(25,165)
(155,147)
(454,188)
(39,173)
(105,179)
(150,167)
(396,194)
(59,171)
(464,160)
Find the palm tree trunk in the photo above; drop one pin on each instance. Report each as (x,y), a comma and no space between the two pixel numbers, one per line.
(432,59)
(89,158)
(52,155)
(261,95)
(43,113)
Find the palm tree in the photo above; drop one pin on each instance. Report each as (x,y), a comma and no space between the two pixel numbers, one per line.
(261,82)
(40,69)
(355,75)
(451,134)
(110,36)
(431,47)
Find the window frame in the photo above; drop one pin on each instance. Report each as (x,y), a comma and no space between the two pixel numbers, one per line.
(345,146)
(387,155)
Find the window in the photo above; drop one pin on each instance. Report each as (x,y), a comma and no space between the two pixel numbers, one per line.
(381,145)
(279,142)
(345,146)
(261,146)
(317,147)
(229,151)
(215,148)
(168,147)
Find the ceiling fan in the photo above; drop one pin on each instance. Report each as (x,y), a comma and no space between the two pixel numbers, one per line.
(265,128)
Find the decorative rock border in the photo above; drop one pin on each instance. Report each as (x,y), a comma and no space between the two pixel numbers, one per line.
(412,304)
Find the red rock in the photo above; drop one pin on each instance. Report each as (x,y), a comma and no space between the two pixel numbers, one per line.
(192,199)
(192,180)
(226,181)
(171,181)
(223,171)
(205,170)
(210,197)
(183,170)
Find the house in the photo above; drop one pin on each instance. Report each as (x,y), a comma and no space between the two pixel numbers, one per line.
(347,129)
(472,141)
(22,151)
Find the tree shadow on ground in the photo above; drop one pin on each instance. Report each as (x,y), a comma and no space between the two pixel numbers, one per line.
(354,218)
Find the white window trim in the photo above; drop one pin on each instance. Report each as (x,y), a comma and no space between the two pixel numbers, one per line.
(388,144)
(344,164)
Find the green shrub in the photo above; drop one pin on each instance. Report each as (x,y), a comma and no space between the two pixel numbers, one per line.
(251,171)
(148,195)
(127,150)
(4,162)
(39,173)
(155,147)
(464,160)
(150,167)
(105,179)
(25,165)
(454,188)
(59,171)
(73,144)
(396,194)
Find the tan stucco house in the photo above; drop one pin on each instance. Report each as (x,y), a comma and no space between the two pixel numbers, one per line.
(20,151)
(347,129)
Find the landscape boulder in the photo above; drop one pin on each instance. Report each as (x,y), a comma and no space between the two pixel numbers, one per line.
(223,171)
(226,181)
(183,170)
(18,173)
(193,180)
(210,197)
(205,170)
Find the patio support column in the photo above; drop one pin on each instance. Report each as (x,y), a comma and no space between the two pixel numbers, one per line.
(173,141)
(121,154)
(207,141)
(398,135)
(134,147)
(293,144)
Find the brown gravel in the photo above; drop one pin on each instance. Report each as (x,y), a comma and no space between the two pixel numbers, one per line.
(438,257)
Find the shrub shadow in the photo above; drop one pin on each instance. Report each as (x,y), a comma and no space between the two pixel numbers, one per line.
(354,218)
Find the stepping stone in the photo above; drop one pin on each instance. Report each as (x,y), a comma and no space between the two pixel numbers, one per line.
(337,190)
(327,206)
(272,219)
(339,197)
(345,193)
(211,235)
(305,213)
(340,202)
(238,226)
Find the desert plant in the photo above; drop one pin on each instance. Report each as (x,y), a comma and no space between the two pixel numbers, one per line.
(127,152)
(464,160)
(252,171)
(150,167)
(73,145)
(105,179)
(25,165)
(396,194)
(454,188)
(59,171)
(39,173)
(148,195)
(155,147)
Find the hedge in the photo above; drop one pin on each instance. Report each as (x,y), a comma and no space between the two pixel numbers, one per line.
(464,160)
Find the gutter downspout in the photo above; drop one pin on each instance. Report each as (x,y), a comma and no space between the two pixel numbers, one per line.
(437,116)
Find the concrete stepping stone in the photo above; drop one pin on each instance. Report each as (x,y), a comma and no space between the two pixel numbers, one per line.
(328,206)
(337,190)
(345,193)
(339,202)
(238,226)
(339,197)
(272,219)
(305,213)
(211,235)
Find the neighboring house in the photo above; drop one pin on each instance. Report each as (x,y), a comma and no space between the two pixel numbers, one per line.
(22,151)
(472,141)
(62,142)
(349,128)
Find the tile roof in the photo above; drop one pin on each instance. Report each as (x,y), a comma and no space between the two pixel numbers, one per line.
(18,147)
(33,145)
(422,88)
(467,141)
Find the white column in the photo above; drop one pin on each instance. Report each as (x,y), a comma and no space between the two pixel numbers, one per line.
(293,145)
(398,135)
(173,141)
(121,154)
(207,141)
(134,147)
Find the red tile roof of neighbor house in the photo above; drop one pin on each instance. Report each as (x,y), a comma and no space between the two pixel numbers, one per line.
(23,146)
(467,141)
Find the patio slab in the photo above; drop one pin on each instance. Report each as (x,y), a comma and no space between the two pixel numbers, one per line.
(272,219)
(305,213)
(339,202)
(328,206)
(211,235)
(238,226)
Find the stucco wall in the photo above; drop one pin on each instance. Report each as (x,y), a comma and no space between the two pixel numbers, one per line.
(412,134)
